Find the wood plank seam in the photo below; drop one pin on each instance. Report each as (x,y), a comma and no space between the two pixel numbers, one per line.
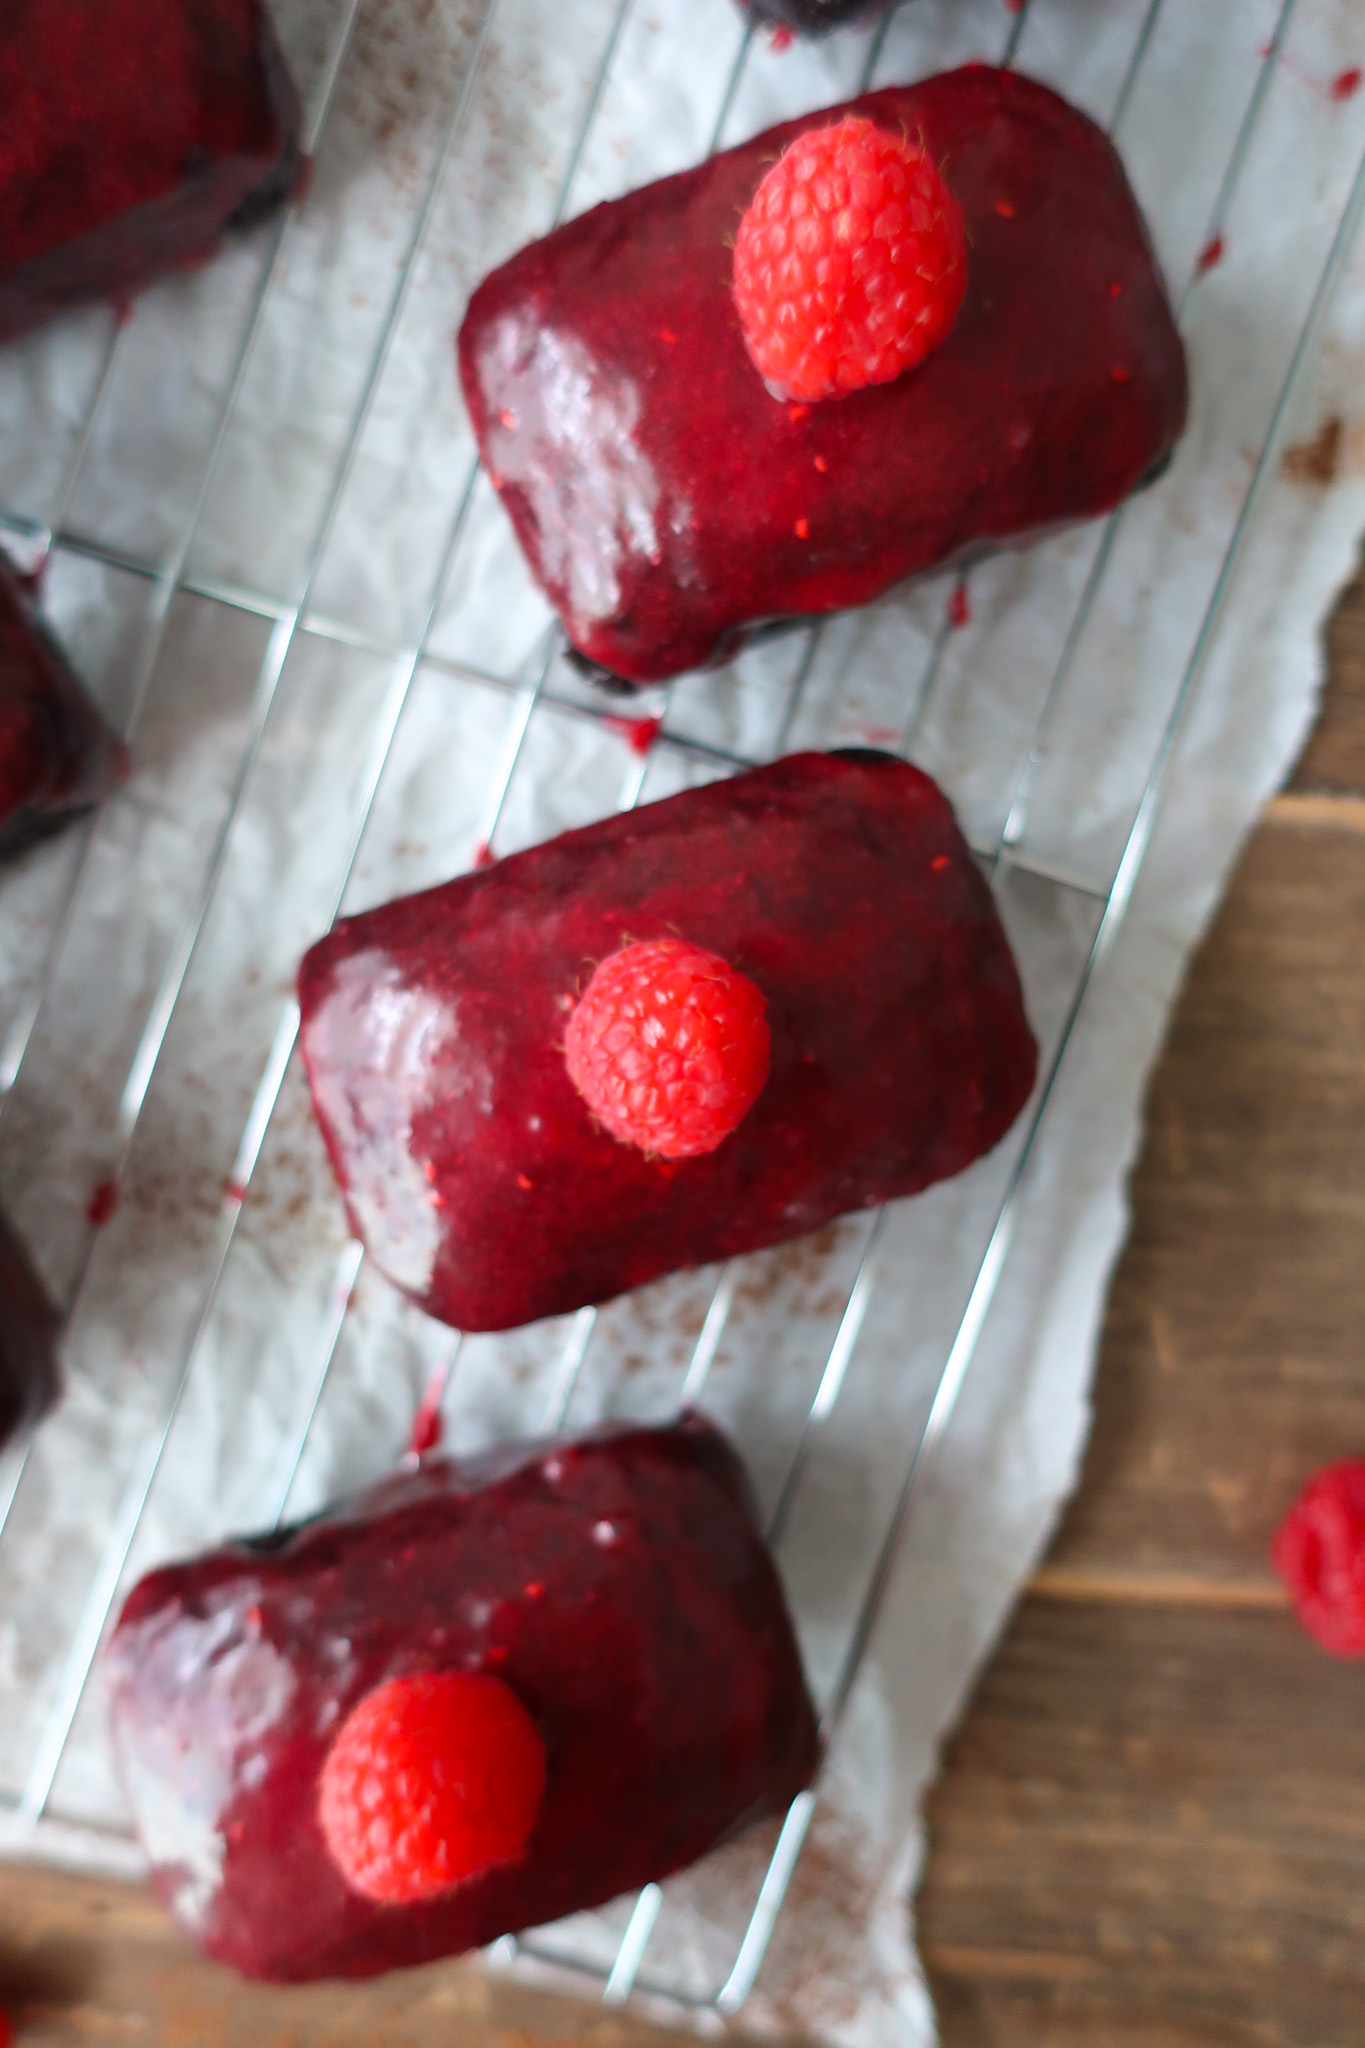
(1317,808)
(1154,1589)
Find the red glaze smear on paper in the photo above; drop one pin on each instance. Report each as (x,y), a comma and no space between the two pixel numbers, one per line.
(103,1204)
(484,856)
(428,1426)
(1210,255)
(959,608)
(1344,86)
(639,734)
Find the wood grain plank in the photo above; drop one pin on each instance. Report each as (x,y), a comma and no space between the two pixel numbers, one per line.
(83,1961)
(1152,1829)
(1231,1358)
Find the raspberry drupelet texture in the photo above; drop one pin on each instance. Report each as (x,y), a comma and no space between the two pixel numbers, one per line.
(1319,1552)
(432,1780)
(850,263)
(668,1047)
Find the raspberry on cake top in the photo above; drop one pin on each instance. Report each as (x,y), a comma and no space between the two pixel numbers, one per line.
(850,262)
(669,1047)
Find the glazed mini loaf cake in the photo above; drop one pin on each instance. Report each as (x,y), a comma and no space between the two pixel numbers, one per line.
(481,1696)
(28,1340)
(132,134)
(57,755)
(685,1032)
(669,503)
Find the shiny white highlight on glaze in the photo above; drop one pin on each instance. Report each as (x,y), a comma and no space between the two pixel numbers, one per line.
(180,1780)
(572,448)
(380,1051)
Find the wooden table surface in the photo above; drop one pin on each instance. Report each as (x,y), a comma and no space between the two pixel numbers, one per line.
(1151,1825)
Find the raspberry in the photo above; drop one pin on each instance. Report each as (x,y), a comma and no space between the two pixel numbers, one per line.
(432,1780)
(1319,1552)
(668,1047)
(850,263)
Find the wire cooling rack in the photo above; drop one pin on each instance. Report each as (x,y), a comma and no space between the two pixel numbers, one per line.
(294,616)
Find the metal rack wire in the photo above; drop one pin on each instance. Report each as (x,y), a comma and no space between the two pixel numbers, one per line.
(300,619)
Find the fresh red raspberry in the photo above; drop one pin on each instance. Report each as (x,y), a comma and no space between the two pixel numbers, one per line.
(1319,1552)
(850,263)
(668,1047)
(431,1781)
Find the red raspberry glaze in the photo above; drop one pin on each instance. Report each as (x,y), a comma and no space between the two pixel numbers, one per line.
(57,756)
(1319,1552)
(28,1339)
(850,263)
(616,1583)
(432,1780)
(131,133)
(433,1034)
(674,506)
(668,1046)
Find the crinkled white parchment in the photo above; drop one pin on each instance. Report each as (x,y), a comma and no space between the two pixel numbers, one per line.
(253,771)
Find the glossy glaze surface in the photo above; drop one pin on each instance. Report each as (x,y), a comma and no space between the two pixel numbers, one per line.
(666,502)
(132,132)
(619,1585)
(28,1339)
(57,755)
(433,1035)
